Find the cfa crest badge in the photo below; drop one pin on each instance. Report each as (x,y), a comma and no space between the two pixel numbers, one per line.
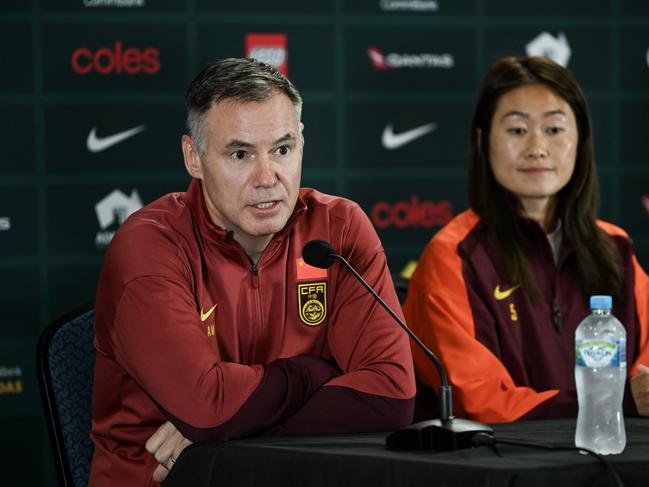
(312,302)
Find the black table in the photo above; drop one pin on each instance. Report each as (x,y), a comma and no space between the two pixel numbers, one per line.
(363,459)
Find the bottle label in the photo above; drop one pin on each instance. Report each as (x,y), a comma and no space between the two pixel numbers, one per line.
(599,353)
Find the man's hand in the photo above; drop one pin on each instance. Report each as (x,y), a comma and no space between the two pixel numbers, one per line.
(640,390)
(165,445)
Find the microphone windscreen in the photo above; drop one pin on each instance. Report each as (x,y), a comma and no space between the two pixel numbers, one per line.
(318,253)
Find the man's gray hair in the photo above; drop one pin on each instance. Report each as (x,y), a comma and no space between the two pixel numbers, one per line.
(240,79)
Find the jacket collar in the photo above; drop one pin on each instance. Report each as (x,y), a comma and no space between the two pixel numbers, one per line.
(220,236)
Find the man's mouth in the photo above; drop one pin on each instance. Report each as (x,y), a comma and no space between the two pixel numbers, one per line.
(264,205)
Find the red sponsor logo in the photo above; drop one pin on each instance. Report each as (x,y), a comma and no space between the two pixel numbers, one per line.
(305,271)
(394,60)
(269,48)
(116,60)
(645,202)
(377,58)
(413,213)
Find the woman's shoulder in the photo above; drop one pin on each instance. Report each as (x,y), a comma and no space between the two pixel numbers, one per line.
(611,229)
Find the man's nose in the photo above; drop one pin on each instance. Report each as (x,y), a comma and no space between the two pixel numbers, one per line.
(265,175)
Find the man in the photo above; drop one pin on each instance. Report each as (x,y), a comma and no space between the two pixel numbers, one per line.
(207,316)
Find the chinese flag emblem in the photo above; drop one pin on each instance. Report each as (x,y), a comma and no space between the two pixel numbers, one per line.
(305,271)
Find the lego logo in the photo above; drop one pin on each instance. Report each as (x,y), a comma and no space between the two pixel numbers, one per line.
(275,56)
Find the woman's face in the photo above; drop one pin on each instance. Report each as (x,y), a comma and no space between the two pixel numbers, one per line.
(533,145)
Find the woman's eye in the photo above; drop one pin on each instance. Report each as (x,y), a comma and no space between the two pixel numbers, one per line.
(516,130)
(555,130)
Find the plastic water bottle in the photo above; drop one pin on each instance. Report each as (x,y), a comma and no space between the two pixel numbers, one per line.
(600,374)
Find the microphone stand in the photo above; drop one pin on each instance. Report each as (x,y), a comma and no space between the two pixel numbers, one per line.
(443,434)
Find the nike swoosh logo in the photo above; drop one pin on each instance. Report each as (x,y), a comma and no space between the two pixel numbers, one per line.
(500,295)
(98,144)
(205,316)
(392,141)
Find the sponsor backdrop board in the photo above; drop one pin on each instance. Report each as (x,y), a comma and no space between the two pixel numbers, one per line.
(92,102)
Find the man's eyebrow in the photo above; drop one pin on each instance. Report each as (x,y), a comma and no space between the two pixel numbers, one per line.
(285,138)
(234,144)
(238,144)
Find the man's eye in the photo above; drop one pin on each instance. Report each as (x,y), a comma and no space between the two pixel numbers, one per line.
(283,150)
(239,155)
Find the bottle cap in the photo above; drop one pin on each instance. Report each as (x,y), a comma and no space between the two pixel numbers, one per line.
(601,302)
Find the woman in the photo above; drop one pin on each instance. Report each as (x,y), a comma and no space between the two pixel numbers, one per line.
(500,290)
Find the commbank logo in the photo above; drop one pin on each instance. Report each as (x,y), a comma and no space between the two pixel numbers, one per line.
(395,60)
(409,5)
(116,60)
(5,223)
(269,48)
(413,213)
(546,45)
(116,207)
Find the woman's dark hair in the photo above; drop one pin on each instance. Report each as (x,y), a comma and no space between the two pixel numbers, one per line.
(576,204)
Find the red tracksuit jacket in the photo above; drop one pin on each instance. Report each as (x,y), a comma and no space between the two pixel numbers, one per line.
(187,329)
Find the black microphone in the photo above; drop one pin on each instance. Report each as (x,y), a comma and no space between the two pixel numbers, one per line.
(443,434)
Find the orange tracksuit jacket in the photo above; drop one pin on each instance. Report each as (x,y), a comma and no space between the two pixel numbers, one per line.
(507,357)
(187,329)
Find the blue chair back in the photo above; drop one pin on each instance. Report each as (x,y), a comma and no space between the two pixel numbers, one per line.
(66,366)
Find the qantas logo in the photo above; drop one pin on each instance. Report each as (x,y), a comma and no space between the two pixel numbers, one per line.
(500,295)
(99,144)
(395,60)
(392,141)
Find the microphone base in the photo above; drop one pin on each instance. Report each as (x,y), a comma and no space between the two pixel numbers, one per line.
(435,435)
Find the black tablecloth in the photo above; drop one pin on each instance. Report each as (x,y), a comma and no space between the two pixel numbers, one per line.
(363,459)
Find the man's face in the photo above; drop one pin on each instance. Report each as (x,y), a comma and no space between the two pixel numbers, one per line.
(251,167)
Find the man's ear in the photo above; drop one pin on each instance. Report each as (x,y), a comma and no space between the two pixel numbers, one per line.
(193,162)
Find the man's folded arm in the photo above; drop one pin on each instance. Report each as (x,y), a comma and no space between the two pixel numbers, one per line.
(157,339)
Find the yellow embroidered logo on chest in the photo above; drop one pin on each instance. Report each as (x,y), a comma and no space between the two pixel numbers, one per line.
(312,302)
(500,295)
(210,328)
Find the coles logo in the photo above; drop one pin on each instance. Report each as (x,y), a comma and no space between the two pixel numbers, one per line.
(116,59)
(411,214)
(269,48)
